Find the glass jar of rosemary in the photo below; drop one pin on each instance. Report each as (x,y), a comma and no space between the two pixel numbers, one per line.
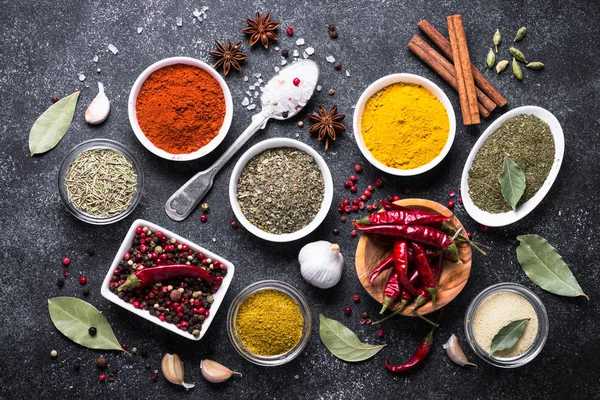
(100,181)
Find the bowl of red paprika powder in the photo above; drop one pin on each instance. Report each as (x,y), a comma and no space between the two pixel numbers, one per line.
(180,108)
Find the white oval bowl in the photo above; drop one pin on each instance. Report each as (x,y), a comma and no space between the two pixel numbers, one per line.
(202,151)
(219,295)
(381,84)
(507,218)
(277,143)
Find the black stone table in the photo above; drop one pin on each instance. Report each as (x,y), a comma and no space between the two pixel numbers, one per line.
(45,45)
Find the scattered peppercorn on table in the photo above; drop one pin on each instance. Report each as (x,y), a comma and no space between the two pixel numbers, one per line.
(50,51)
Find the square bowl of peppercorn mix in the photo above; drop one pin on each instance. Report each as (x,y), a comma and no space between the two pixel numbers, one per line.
(168,280)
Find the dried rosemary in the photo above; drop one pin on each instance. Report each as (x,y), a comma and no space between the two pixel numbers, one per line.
(528,141)
(281,190)
(101,182)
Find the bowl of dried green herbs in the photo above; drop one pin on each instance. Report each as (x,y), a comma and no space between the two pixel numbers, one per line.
(100,181)
(281,190)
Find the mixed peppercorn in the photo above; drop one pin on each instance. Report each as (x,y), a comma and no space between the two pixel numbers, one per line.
(167,274)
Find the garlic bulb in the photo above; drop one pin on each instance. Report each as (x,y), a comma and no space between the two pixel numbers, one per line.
(99,108)
(456,353)
(214,372)
(321,264)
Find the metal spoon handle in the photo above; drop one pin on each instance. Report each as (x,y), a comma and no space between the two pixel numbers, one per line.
(181,204)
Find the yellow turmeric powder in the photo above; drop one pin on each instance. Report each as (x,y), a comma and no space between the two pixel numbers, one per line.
(269,323)
(404,126)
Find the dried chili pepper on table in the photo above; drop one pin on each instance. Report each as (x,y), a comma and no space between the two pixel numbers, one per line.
(383,265)
(150,276)
(421,353)
(402,217)
(418,233)
(427,278)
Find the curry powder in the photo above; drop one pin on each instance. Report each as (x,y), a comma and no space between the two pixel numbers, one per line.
(269,323)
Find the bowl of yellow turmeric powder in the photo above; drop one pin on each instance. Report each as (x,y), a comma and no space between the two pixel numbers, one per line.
(404,124)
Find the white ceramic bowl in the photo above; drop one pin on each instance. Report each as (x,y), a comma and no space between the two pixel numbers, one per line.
(138,131)
(277,143)
(381,84)
(126,245)
(506,218)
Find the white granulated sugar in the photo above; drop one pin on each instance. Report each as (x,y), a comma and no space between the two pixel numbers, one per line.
(310,51)
(347,73)
(245,102)
(257,83)
(260,80)
(248,93)
(256,94)
(258,75)
(113,49)
(331,59)
(179,21)
(283,62)
(245,79)
(300,42)
(251,87)
(81,77)
(251,107)
(304,55)
(296,53)
(95,59)
(140,29)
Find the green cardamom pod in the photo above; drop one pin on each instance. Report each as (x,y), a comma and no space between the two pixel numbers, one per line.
(497,39)
(501,66)
(517,69)
(516,53)
(520,34)
(535,65)
(491,59)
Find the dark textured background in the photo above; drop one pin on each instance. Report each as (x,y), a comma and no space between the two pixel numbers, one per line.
(45,45)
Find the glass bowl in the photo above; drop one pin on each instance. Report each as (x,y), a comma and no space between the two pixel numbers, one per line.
(538,342)
(99,144)
(269,361)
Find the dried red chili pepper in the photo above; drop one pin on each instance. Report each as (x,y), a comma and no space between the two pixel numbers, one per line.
(402,217)
(418,233)
(405,298)
(150,276)
(427,278)
(400,254)
(391,292)
(383,265)
(422,352)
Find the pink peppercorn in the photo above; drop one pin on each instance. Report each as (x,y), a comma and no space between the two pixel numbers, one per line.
(83,279)
(66,261)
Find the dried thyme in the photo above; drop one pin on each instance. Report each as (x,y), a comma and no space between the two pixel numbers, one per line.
(281,190)
(528,141)
(101,182)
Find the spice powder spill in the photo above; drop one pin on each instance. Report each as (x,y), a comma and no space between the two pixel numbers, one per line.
(405,126)
(180,108)
(528,141)
(495,312)
(101,182)
(269,323)
(281,190)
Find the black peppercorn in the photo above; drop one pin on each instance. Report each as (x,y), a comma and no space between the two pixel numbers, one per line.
(54,99)
(331,27)
(336,231)
(86,290)
(285,114)
(77,364)
(337,65)
(333,34)
(60,282)
(284,52)
(90,251)
(92,331)
(101,362)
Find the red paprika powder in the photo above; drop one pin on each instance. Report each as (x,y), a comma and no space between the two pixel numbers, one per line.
(180,108)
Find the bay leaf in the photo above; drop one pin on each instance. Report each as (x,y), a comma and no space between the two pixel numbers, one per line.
(546,268)
(508,335)
(73,317)
(343,343)
(512,182)
(52,125)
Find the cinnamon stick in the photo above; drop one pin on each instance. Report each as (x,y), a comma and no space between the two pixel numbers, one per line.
(446,71)
(444,45)
(462,65)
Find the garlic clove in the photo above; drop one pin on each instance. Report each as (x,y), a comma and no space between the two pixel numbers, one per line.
(456,353)
(99,108)
(214,372)
(172,369)
(321,264)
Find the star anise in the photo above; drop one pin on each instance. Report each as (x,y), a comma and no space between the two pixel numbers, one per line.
(228,56)
(327,124)
(261,28)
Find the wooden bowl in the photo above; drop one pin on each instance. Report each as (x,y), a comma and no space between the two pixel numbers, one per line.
(452,280)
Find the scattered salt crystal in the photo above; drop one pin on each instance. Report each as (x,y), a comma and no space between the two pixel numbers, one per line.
(179,21)
(256,94)
(214,239)
(300,42)
(140,29)
(245,102)
(276,69)
(251,99)
(297,134)
(113,49)
(296,53)
(258,75)
(251,107)
(276,48)
(98,70)
(331,59)
(245,79)
(81,77)
(248,93)
(296,376)
(196,13)
(304,55)
(257,83)
(251,87)
(310,51)
(319,87)
(260,80)
(283,62)
(347,73)
(262,89)
(95,59)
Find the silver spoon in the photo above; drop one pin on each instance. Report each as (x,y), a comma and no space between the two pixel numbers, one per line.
(283,97)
